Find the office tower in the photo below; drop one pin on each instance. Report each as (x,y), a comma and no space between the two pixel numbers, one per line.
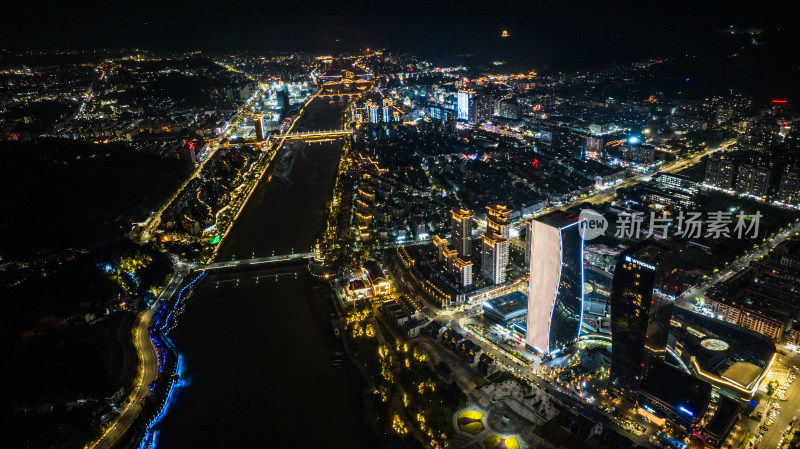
(466,105)
(555,289)
(495,243)
(282,97)
(261,133)
(495,257)
(463,269)
(498,219)
(641,309)
(435,112)
(461,224)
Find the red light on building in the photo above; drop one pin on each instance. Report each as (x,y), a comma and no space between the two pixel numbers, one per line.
(535,163)
(190,145)
(780,101)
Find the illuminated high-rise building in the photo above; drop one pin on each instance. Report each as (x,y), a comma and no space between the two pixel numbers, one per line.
(790,187)
(641,310)
(555,289)
(719,172)
(463,269)
(494,250)
(498,219)
(484,106)
(261,128)
(440,243)
(191,154)
(465,105)
(386,110)
(753,180)
(461,224)
(594,147)
(373,112)
(449,255)
(494,254)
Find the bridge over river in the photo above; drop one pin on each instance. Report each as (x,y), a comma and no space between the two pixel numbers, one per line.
(257,261)
(315,134)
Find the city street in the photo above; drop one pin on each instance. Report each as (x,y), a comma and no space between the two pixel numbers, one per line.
(604,196)
(687,299)
(146,374)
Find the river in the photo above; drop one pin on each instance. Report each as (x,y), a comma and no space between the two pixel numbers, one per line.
(257,345)
(288,209)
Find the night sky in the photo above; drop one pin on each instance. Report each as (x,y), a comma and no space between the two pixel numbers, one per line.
(554,35)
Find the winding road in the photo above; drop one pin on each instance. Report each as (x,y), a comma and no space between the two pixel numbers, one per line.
(146,374)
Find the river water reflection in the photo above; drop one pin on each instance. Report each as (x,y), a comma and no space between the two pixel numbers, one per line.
(257,345)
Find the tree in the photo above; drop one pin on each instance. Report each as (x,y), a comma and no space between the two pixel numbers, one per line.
(772,387)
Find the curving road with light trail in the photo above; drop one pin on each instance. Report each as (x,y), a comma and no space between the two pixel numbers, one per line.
(147,373)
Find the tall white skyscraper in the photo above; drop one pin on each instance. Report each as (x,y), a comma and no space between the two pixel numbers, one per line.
(461,224)
(494,258)
(555,289)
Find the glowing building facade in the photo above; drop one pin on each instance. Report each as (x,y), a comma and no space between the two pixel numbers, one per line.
(495,243)
(555,289)
(461,224)
(463,269)
(498,220)
(386,110)
(373,112)
(641,310)
(261,127)
(465,105)
(494,258)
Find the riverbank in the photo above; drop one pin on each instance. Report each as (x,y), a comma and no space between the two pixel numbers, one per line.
(257,350)
(257,345)
(270,224)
